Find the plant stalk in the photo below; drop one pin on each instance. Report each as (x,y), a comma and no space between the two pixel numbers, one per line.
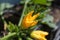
(25,6)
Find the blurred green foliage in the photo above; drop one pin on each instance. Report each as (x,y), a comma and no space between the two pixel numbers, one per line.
(43,2)
(36,5)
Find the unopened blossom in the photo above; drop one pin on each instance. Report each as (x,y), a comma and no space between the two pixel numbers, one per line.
(39,35)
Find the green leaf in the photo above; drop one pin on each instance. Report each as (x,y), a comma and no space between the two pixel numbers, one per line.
(20,38)
(49,21)
(52,25)
(48,18)
(28,38)
(28,9)
(12,27)
(3,6)
(40,1)
(43,14)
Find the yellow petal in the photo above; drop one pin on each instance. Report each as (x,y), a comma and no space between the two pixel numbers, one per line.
(43,39)
(34,23)
(29,20)
(39,34)
(35,16)
(30,13)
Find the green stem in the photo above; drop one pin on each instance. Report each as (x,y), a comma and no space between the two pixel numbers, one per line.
(25,6)
(8,36)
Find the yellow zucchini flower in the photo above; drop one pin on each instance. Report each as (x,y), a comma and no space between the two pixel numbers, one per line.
(29,20)
(39,35)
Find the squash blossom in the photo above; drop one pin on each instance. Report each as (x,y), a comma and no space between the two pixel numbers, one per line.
(39,35)
(29,20)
